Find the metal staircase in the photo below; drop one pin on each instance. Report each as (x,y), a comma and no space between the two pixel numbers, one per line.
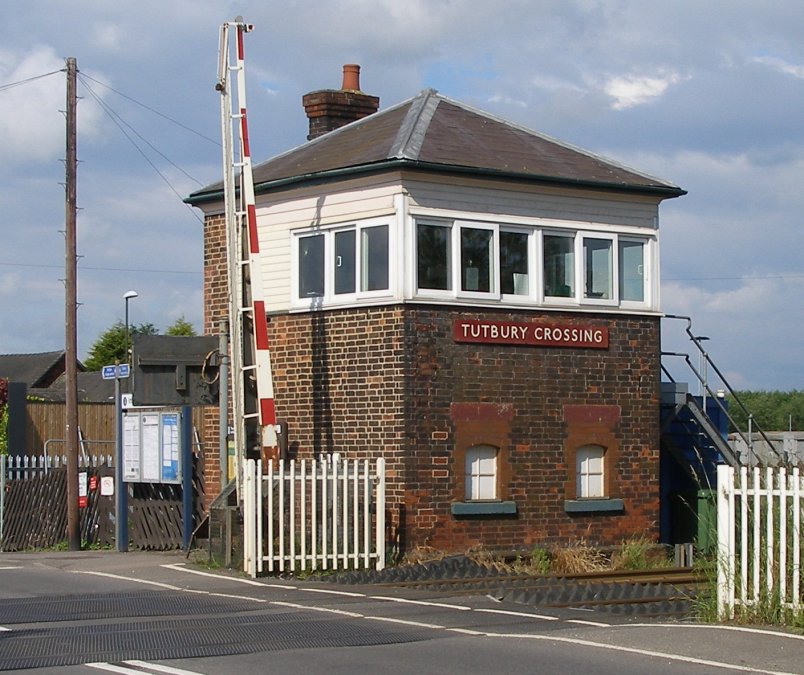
(695,432)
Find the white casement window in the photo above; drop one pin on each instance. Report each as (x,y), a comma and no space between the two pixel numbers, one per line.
(477,260)
(517,253)
(342,264)
(481,473)
(633,281)
(529,265)
(598,269)
(558,265)
(589,472)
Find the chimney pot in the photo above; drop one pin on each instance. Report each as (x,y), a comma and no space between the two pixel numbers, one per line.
(351,77)
(330,109)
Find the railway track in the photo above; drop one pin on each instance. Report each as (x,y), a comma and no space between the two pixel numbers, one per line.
(667,593)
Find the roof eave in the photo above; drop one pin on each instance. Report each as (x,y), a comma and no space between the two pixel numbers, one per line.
(667,191)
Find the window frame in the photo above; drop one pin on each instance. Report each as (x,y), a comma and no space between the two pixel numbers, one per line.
(472,478)
(583,455)
(330,297)
(493,264)
(613,277)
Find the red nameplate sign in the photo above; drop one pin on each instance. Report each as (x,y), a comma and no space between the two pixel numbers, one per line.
(534,334)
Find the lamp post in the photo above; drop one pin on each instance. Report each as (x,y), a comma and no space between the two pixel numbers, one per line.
(128,296)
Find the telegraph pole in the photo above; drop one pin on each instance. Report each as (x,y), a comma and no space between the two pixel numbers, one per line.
(70,305)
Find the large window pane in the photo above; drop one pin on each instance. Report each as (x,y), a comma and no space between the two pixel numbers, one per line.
(433,268)
(374,258)
(632,271)
(514,263)
(599,272)
(345,262)
(559,266)
(311,266)
(476,252)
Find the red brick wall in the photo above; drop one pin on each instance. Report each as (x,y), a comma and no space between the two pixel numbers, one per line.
(392,381)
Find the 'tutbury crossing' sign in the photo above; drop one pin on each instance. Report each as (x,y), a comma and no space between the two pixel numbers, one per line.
(532,334)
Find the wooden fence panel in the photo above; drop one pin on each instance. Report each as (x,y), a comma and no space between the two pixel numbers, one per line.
(35,507)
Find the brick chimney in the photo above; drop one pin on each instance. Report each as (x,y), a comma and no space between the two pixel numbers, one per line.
(329,109)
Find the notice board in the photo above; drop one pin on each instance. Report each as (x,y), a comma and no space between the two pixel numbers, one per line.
(152,445)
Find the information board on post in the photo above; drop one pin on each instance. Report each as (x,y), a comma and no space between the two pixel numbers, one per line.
(152,446)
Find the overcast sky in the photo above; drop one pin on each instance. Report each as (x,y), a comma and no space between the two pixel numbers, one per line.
(708,95)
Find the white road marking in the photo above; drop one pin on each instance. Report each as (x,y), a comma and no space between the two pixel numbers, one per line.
(643,652)
(140,667)
(11,567)
(419,602)
(406,622)
(329,592)
(249,582)
(543,617)
(597,624)
(739,629)
(2,628)
(328,610)
(108,575)
(520,636)
(160,668)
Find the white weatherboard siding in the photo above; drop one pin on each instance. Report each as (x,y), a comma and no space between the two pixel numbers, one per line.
(283,212)
(489,200)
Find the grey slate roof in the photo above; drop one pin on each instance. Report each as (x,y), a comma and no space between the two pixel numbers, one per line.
(35,370)
(92,388)
(433,133)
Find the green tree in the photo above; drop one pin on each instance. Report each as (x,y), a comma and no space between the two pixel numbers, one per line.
(771,410)
(110,347)
(181,328)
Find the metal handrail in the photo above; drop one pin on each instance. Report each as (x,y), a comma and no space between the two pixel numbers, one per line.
(696,341)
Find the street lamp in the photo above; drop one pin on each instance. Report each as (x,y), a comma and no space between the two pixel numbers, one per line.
(128,296)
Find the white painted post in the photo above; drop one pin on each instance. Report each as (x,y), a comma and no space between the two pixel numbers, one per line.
(769,552)
(744,551)
(796,539)
(345,515)
(782,534)
(259,516)
(314,509)
(304,528)
(380,533)
(271,493)
(324,513)
(725,566)
(356,514)
(292,544)
(366,514)
(757,517)
(281,515)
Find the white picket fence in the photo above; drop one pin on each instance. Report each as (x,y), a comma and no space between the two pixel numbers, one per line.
(313,515)
(26,467)
(759,537)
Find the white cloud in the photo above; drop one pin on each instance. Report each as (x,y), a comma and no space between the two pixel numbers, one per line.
(781,65)
(632,90)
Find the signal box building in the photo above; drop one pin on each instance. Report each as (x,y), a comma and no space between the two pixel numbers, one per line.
(475,302)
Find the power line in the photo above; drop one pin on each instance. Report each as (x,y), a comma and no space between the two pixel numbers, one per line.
(11,85)
(119,122)
(96,269)
(84,76)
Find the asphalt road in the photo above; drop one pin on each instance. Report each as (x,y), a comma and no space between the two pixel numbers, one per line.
(92,612)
